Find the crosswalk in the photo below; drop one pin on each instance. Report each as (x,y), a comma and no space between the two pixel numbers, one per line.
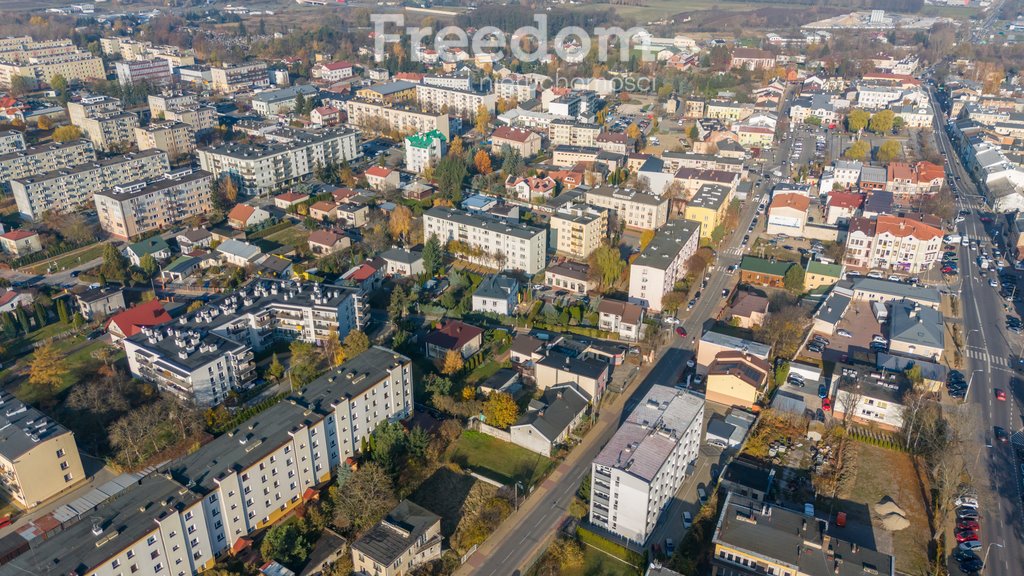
(734,251)
(977,354)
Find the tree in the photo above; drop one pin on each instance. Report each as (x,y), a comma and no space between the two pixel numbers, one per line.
(333,351)
(115,264)
(693,133)
(940,204)
(44,123)
(400,221)
(356,342)
(396,308)
(66,133)
(633,131)
(606,266)
(276,369)
(286,543)
(388,445)
(889,150)
(59,84)
(482,161)
(857,120)
(62,310)
(483,118)
(303,366)
(300,104)
(567,552)
(812,120)
(433,255)
(452,363)
(501,410)
(48,368)
(364,498)
(148,265)
(511,161)
(449,173)
(881,122)
(859,150)
(229,189)
(455,147)
(22,85)
(794,278)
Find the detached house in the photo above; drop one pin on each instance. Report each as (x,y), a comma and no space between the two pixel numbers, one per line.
(454,335)
(20,243)
(408,537)
(587,374)
(526,142)
(549,420)
(156,247)
(737,379)
(243,216)
(622,318)
(531,188)
(383,179)
(498,294)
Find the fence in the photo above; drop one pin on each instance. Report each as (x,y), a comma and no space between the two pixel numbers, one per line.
(498,433)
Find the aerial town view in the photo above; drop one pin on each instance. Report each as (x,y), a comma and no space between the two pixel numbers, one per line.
(512,288)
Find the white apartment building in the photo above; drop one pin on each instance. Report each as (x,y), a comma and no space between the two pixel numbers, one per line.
(451,81)
(892,243)
(230,79)
(180,519)
(161,103)
(69,189)
(176,138)
(136,208)
(638,472)
(273,102)
(104,121)
(453,101)
(44,158)
(380,118)
(11,141)
(156,72)
(198,117)
(265,168)
(633,208)
(517,90)
(846,173)
(573,133)
(493,242)
(663,263)
(878,96)
(424,150)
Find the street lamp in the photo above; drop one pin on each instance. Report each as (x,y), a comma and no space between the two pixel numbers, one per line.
(969,382)
(984,561)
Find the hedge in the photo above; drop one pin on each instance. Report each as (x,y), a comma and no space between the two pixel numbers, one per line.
(580,330)
(58,250)
(635,559)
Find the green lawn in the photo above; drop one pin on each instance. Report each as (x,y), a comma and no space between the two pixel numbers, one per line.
(597,563)
(79,361)
(483,372)
(656,9)
(69,260)
(499,460)
(293,236)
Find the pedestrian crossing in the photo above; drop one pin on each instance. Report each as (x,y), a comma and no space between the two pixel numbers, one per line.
(735,251)
(984,356)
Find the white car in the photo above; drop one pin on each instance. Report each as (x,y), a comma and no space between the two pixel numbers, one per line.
(879,340)
(969,501)
(687,520)
(672,320)
(844,333)
(960,219)
(992,282)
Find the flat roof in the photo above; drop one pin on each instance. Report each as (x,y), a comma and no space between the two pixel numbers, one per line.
(143,188)
(668,241)
(91,165)
(515,229)
(298,139)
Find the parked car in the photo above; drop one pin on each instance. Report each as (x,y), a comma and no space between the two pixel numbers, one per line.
(969,545)
(844,333)
(1000,394)
(681,331)
(966,535)
(687,520)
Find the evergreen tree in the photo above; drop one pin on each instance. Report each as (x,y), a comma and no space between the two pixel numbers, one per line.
(432,255)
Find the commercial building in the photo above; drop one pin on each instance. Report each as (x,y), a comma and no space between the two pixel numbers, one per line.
(156,72)
(180,519)
(662,263)
(916,330)
(44,158)
(892,243)
(423,150)
(770,273)
(408,537)
(274,102)
(488,241)
(177,139)
(453,101)
(382,118)
(67,190)
(203,355)
(638,472)
(104,122)
(38,457)
(708,207)
(571,276)
(577,230)
(230,79)
(133,209)
(264,168)
(787,214)
(632,208)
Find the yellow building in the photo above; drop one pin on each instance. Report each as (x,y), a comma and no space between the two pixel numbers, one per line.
(389,93)
(821,275)
(708,206)
(579,230)
(737,379)
(176,138)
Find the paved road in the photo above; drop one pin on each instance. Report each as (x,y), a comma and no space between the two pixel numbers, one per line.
(991,355)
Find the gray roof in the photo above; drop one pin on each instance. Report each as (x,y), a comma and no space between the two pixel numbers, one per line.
(749,473)
(912,323)
(497,286)
(894,363)
(195,234)
(873,174)
(92,165)
(897,289)
(586,367)
(570,269)
(23,427)
(864,380)
(627,195)
(710,196)
(297,139)
(668,241)
(793,539)
(143,188)
(404,256)
(834,308)
(45,149)
(561,405)
(238,248)
(500,379)
(397,532)
(392,87)
(285,94)
(651,431)
(724,340)
(515,229)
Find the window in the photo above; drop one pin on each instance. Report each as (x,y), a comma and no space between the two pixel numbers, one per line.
(68,477)
(60,454)
(151,540)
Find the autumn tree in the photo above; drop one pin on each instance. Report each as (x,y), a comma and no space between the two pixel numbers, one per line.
(889,150)
(363,498)
(633,131)
(858,150)
(333,352)
(501,410)
(881,122)
(44,122)
(276,369)
(455,147)
(483,118)
(400,221)
(794,278)
(48,367)
(229,189)
(482,161)
(303,367)
(606,266)
(356,342)
(115,264)
(857,120)
(66,133)
(452,363)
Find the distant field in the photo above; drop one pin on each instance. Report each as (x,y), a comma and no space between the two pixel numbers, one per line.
(657,9)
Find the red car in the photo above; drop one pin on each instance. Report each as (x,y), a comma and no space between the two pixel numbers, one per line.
(826,404)
(966,524)
(986,219)
(966,536)
(681,331)
(1000,394)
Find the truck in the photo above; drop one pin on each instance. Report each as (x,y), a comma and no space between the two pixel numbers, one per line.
(952,239)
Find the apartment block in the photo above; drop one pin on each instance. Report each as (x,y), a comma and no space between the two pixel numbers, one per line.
(424,150)
(578,230)
(892,243)
(380,118)
(488,241)
(67,190)
(638,472)
(708,206)
(264,168)
(198,117)
(156,72)
(177,139)
(161,103)
(572,133)
(181,518)
(632,208)
(133,209)
(44,158)
(663,263)
(104,122)
(231,79)
(11,141)
(273,102)
(453,101)
(40,69)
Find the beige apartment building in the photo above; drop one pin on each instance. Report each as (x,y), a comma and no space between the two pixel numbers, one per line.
(159,104)
(70,189)
(577,231)
(380,118)
(663,263)
(44,158)
(40,69)
(892,243)
(573,133)
(104,122)
(462,103)
(633,208)
(133,209)
(176,138)
(38,457)
(230,79)
(199,117)
(11,141)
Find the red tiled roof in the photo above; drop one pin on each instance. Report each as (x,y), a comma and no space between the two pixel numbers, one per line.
(131,321)
(791,200)
(15,235)
(6,297)
(341,65)
(453,335)
(901,171)
(928,171)
(323,206)
(509,133)
(379,172)
(291,197)
(241,213)
(850,200)
(365,271)
(326,110)
(903,227)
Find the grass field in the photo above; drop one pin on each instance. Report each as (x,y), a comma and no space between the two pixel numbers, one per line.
(293,236)
(69,260)
(502,461)
(658,9)
(597,563)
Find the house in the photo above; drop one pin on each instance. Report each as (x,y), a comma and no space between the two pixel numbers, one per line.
(243,216)
(11,300)
(748,478)
(736,378)
(403,262)
(530,188)
(571,276)
(748,310)
(764,272)
(454,335)
(526,142)
(99,302)
(498,294)
(180,268)
(712,343)
(327,241)
(866,396)
(527,349)
(729,431)
(289,199)
(20,243)
(155,246)
(787,214)
(549,421)
(333,71)
(409,536)
(273,266)
(916,330)
(383,179)
(366,276)
(842,206)
(820,276)
(504,380)
(622,318)
(589,375)
(238,253)
(352,215)
(752,59)
(193,238)
(325,116)
(323,211)
(131,321)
